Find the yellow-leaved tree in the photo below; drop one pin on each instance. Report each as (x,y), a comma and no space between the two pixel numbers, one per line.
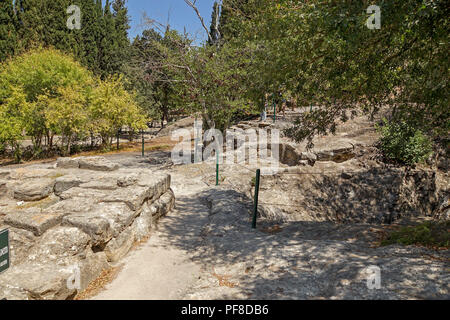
(111,108)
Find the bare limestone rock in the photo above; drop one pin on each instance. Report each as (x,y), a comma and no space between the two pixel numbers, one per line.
(95,215)
(32,173)
(67,163)
(101,184)
(97,164)
(73,205)
(34,219)
(34,189)
(97,227)
(36,282)
(4,174)
(20,243)
(67,182)
(134,197)
(3,188)
(118,247)
(58,243)
(142,225)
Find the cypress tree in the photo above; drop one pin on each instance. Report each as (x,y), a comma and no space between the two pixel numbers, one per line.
(89,35)
(44,22)
(214,29)
(121,41)
(229,9)
(107,43)
(8,32)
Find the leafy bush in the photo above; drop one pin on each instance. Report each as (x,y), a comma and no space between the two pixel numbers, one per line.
(403,143)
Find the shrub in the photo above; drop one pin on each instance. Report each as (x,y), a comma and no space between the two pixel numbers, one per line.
(403,143)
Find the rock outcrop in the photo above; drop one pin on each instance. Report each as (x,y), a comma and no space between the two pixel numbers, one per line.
(75,219)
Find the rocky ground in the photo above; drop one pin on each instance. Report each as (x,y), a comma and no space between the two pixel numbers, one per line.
(209,251)
(320,220)
(74,217)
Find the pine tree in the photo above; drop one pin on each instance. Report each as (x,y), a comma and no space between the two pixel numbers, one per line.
(8,32)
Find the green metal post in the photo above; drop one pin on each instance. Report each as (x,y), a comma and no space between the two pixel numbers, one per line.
(143,145)
(274,111)
(118,139)
(255,207)
(217,168)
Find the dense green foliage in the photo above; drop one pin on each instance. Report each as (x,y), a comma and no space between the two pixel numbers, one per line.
(403,143)
(323,52)
(45,93)
(8,30)
(317,52)
(101,44)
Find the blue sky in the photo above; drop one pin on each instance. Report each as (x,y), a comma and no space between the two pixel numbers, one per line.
(177,12)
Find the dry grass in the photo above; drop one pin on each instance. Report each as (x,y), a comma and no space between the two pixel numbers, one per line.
(99,284)
(44,203)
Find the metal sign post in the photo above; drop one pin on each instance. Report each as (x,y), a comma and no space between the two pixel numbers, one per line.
(143,144)
(255,205)
(4,250)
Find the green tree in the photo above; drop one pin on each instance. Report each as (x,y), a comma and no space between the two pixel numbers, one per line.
(113,107)
(40,76)
(323,52)
(121,47)
(8,32)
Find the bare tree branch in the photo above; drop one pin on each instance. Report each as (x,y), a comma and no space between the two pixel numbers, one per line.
(193,6)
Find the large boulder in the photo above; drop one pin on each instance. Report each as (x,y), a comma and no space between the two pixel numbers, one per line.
(20,243)
(51,281)
(59,243)
(103,222)
(36,282)
(142,225)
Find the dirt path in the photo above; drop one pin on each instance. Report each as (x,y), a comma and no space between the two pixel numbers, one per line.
(162,267)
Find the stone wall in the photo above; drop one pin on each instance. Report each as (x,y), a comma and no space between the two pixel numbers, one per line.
(353,192)
(82,214)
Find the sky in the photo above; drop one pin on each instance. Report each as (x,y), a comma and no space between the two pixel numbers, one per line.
(176,12)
